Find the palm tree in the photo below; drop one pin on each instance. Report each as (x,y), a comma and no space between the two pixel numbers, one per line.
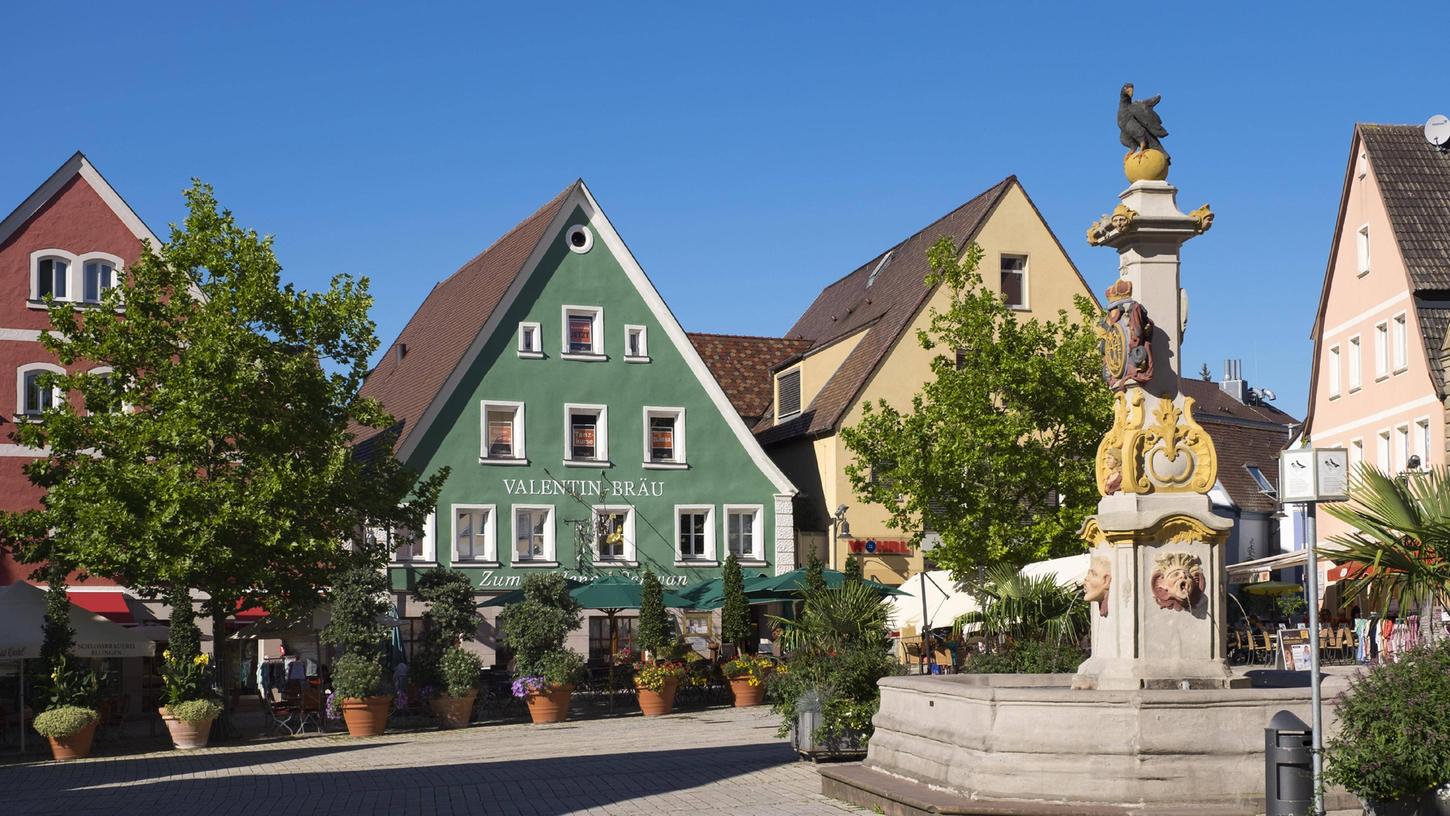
(835,618)
(1017,607)
(1400,537)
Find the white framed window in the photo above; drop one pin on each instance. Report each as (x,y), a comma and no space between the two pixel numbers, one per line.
(1402,447)
(1399,337)
(531,343)
(502,433)
(787,394)
(411,546)
(695,534)
(1356,455)
(583,337)
(1383,454)
(50,274)
(1354,363)
(664,438)
(1361,249)
(1422,440)
(743,533)
(475,533)
(33,398)
(1331,365)
(614,533)
(636,344)
(1014,281)
(586,435)
(533,535)
(1381,350)
(96,278)
(579,238)
(106,375)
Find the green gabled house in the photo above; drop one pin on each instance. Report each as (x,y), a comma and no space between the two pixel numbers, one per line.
(584,433)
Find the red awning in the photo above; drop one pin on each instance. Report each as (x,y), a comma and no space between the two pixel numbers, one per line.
(251,613)
(1348,570)
(111,604)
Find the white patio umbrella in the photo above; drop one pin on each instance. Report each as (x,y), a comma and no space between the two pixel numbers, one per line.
(22,632)
(1070,570)
(942,599)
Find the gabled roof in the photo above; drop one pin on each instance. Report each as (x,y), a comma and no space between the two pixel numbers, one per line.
(432,345)
(742,365)
(1414,182)
(884,309)
(1243,436)
(76,165)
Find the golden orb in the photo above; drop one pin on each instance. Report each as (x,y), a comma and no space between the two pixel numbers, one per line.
(1150,165)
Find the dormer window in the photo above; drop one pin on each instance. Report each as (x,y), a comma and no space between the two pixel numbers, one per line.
(51,275)
(788,394)
(99,276)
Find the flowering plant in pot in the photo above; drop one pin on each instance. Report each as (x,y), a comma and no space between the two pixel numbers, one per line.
(657,677)
(535,629)
(460,669)
(359,607)
(189,708)
(70,717)
(1393,745)
(747,675)
(656,684)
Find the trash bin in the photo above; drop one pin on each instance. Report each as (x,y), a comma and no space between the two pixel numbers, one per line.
(807,720)
(1288,766)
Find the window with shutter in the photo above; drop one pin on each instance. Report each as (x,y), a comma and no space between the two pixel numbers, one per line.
(788,394)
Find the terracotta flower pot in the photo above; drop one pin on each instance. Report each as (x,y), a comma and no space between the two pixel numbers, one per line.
(185,735)
(745,694)
(73,746)
(550,706)
(367,717)
(655,703)
(453,712)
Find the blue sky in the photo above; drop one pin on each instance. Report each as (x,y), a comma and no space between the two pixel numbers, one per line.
(748,153)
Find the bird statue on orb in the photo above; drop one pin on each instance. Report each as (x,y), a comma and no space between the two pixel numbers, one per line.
(1140,129)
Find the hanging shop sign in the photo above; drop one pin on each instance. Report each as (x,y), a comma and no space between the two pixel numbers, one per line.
(880,546)
(1314,475)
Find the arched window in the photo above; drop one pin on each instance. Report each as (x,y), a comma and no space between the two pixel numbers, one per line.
(99,276)
(52,274)
(33,397)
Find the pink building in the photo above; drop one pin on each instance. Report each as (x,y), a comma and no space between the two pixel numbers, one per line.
(1378,382)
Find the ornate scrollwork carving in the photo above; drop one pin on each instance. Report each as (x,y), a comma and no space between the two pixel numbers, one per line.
(1167,453)
(1203,218)
(1119,221)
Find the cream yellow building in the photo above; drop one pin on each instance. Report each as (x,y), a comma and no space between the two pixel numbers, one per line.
(858,344)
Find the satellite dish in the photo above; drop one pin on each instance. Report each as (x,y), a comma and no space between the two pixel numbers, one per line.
(1437,131)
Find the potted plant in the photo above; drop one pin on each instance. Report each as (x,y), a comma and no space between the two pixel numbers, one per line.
(359,609)
(1393,745)
(459,669)
(69,729)
(656,684)
(747,675)
(736,627)
(189,709)
(535,629)
(656,677)
(68,718)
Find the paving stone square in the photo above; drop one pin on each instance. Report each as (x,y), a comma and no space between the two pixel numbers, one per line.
(725,761)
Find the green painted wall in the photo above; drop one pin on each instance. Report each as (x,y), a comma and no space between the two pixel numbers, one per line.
(720,468)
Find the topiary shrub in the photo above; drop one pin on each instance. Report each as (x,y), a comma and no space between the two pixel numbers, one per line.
(452,618)
(357,675)
(63,720)
(1394,728)
(195,710)
(735,624)
(656,632)
(536,627)
(459,669)
(561,667)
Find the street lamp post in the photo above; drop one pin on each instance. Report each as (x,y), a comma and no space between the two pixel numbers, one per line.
(839,529)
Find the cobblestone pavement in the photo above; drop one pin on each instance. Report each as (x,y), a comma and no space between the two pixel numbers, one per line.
(719,761)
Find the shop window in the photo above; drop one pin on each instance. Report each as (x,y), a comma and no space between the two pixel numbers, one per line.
(503,432)
(599,636)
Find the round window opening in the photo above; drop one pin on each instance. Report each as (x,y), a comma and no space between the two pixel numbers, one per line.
(580,238)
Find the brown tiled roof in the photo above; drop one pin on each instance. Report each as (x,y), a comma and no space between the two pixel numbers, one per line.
(1243,435)
(440,332)
(1414,181)
(742,365)
(884,309)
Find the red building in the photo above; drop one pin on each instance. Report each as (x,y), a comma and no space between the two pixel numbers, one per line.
(72,238)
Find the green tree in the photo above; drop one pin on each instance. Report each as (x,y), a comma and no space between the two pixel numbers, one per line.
(1020,608)
(735,624)
(536,627)
(452,618)
(218,451)
(995,453)
(58,635)
(854,569)
(815,579)
(1204,374)
(1399,535)
(358,627)
(655,634)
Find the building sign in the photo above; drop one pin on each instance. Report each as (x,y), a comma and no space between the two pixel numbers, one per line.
(880,546)
(581,333)
(497,579)
(583,487)
(500,437)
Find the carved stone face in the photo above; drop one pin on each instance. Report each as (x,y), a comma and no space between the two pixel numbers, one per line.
(1178,581)
(1098,582)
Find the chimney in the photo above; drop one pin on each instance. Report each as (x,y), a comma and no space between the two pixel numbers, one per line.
(1233,380)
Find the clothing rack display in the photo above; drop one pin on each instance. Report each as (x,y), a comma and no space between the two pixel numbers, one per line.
(1384,639)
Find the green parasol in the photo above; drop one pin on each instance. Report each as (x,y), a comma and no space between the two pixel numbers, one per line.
(793,582)
(1271,588)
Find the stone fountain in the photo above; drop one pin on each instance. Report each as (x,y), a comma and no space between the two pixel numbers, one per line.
(1154,721)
